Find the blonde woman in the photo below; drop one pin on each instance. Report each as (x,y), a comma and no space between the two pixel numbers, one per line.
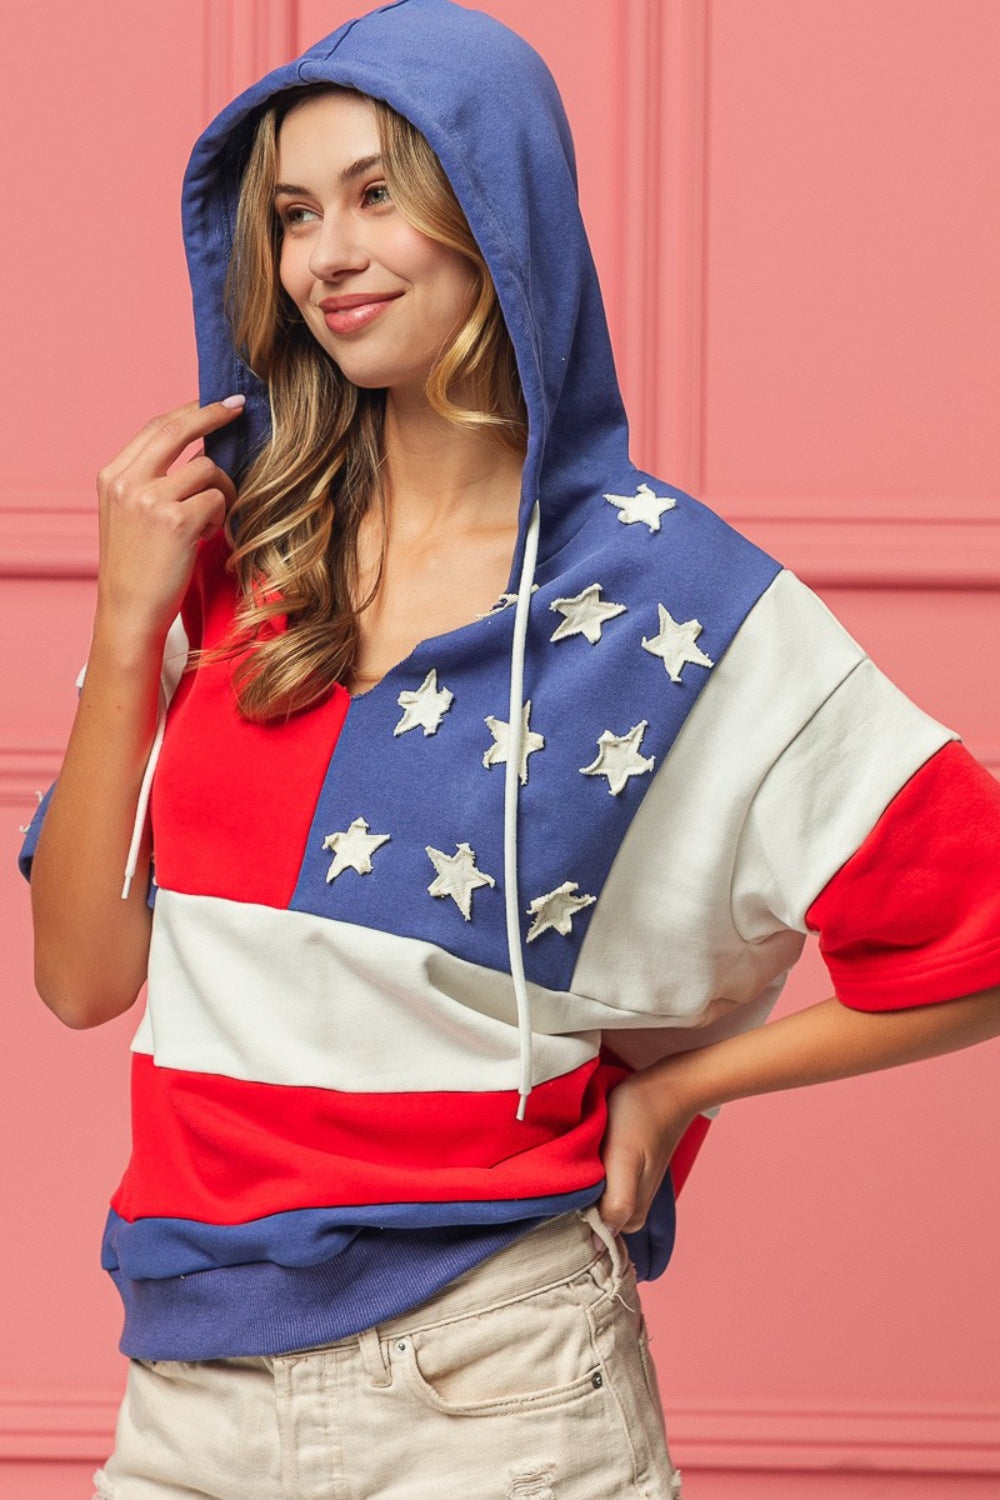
(477,866)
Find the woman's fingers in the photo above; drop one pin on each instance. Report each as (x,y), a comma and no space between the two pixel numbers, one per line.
(173,432)
(182,505)
(202,493)
(152,517)
(641,1136)
(143,482)
(132,449)
(198,474)
(163,439)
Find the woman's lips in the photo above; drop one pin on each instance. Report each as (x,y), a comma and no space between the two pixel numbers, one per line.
(348,314)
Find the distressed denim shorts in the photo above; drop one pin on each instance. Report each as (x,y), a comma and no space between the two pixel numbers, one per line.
(528,1378)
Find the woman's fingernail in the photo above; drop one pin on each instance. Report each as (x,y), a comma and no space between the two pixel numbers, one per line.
(234,401)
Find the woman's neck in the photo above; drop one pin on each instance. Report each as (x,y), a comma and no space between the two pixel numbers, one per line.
(443,556)
(438,475)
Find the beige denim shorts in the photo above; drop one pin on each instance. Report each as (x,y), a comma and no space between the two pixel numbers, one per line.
(528,1378)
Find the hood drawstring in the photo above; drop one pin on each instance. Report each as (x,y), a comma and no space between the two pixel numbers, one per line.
(175,655)
(511,784)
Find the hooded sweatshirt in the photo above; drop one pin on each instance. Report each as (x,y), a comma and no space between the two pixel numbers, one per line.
(405,943)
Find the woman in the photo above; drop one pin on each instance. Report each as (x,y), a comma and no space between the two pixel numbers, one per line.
(477,863)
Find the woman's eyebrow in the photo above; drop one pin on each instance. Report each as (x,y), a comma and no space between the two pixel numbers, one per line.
(360,167)
(356,169)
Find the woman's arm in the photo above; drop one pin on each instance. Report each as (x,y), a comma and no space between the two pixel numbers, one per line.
(649,1111)
(91,946)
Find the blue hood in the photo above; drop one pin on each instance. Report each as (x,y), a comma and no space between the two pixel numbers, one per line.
(489,108)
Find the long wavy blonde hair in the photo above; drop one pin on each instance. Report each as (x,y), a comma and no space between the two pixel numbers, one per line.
(294,527)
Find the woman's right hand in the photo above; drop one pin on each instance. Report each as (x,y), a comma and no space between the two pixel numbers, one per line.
(151,519)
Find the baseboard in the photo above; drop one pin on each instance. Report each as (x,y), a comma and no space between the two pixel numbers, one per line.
(822,1435)
(732,1435)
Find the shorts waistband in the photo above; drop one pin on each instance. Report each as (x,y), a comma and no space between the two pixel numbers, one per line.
(551,1252)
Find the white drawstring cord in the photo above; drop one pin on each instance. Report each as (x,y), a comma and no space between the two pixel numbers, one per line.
(511,785)
(145,791)
(175,655)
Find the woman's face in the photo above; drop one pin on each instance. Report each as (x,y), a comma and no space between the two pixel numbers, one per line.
(380,297)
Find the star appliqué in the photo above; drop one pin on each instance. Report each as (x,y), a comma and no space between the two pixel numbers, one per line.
(675,644)
(457,876)
(352,849)
(556,910)
(585,614)
(425,708)
(643,506)
(504,602)
(618,758)
(496,755)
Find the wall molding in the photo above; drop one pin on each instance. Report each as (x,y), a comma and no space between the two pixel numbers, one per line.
(57,1424)
(56,537)
(735,1436)
(26,770)
(664,89)
(880,552)
(241,41)
(843,1437)
(858,505)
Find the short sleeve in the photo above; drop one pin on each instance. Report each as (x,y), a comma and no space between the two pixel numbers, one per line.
(913,917)
(27,855)
(823,794)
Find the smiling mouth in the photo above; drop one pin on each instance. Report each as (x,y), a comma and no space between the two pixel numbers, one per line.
(348,314)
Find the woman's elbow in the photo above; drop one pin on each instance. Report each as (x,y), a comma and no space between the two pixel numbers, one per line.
(81,1005)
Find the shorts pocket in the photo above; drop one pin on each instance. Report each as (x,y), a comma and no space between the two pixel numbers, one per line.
(536,1352)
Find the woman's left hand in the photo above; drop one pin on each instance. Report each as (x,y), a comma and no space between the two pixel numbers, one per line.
(646,1120)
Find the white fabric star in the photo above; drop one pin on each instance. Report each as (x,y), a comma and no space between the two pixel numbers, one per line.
(504,602)
(585,614)
(496,755)
(457,876)
(675,644)
(643,506)
(352,849)
(556,910)
(425,708)
(618,758)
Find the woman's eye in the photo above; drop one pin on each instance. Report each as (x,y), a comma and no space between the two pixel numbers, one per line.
(376,194)
(295,215)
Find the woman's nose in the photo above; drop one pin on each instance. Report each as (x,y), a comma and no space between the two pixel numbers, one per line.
(336,249)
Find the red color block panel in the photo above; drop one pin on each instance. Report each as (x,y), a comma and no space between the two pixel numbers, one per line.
(225,1151)
(211,781)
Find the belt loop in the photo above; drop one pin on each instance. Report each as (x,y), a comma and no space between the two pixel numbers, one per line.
(373,1355)
(619,1263)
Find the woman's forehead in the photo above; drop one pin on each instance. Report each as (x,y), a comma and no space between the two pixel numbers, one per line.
(327,121)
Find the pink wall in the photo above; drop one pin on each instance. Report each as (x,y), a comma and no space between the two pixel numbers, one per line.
(794,210)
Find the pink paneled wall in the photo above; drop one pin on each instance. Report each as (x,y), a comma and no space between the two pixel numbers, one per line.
(794,209)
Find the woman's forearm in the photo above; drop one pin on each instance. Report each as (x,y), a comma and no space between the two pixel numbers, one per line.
(90,945)
(830,1041)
